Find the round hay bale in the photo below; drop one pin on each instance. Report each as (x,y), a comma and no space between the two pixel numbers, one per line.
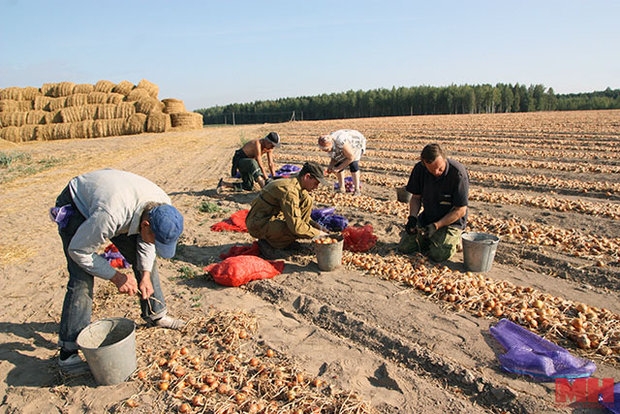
(37,117)
(100,128)
(152,89)
(104,86)
(28,132)
(11,133)
(46,88)
(56,103)
(135,124)
(158,122)
(115,98)
(41,103)
(78,113)
(77,99)
(83,88)
(13,118)
(148,105)
(82,129)
(97,97)
(12,92)
(61,131)
(186,120)
(9,105)
(125,109)
(173,106)
(105,111)
(63,89)
(44,132)
(29,93)
(137,93)
(123,87)
(115,127)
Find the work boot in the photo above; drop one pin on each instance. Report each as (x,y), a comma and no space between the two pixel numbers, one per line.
(268,252)
(168,322)
(71,364)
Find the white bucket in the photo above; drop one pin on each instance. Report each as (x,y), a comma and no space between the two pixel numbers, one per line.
(479,251)
(109,346)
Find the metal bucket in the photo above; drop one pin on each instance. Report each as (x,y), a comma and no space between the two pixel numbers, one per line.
(329,256)
(109,346)
(479,251)
(403,195)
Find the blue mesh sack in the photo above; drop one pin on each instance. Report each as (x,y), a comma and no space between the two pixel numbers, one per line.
(530,354)
(326,218)
(287,170)
(612,407)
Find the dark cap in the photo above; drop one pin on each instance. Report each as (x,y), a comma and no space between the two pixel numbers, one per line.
(314,170)
(274,138)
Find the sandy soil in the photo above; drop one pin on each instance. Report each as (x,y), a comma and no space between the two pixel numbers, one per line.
(394,346)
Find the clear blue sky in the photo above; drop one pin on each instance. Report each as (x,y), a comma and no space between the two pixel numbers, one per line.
(209,53)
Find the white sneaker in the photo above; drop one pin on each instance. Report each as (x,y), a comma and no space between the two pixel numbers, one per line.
(168,322)
(74,365)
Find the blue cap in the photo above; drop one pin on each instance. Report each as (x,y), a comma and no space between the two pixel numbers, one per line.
(167,224)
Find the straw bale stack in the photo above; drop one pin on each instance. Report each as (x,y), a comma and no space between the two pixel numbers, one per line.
(158,122)
(85,88)
(123,87)
(173,106)
(104,86)
(186,120)
(66,110)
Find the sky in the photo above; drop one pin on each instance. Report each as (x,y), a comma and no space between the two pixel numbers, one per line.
(210,53)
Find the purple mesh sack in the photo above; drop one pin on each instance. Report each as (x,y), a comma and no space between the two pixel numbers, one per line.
(530,354)
(612,407)
(326,218)
(286,170)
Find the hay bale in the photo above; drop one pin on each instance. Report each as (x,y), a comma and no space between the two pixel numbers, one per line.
(173,106)
(104,86)
(123,87)
(97,97)
(82,129)
(9,105)
(137,93)
(148,105)
(100,127)
(37,117)
(62,89)
(135,124)
(78,113)
(16,119)
(11,133)
(44,132)
(125,109)
(41,103)
(56,103)
(47,88)
(29,93)
(158,122)
(152,89)
(77,99)
(115,98)
(13,92)
(186,120)
(83,88)
(61,131)
(115,127)
(28,132)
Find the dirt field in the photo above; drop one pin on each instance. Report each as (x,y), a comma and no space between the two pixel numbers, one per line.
(385,333)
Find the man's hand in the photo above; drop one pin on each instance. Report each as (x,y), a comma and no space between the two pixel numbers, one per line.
(429,230)
(146,286)
(125,283)
(411,226)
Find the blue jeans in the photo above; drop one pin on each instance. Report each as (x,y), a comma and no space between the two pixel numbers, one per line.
(78,304)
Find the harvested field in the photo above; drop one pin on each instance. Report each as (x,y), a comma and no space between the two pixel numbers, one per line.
(385,333)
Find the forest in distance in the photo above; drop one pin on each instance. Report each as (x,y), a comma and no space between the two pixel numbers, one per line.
(406,101)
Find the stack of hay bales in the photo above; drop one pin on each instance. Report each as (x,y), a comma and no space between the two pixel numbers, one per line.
(67,110)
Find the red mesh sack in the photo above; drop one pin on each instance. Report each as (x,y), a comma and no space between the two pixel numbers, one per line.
(236,222)
(359,239)
(239,270)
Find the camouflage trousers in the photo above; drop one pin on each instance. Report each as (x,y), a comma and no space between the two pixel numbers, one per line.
(442,246)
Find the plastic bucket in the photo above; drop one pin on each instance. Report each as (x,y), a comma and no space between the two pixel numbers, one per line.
(329,255)
(109,346)
(403,195)
(479,251)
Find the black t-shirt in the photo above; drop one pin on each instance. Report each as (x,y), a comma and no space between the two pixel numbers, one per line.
(440,194)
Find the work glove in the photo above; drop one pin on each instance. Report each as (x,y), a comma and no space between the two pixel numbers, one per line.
(411,226)
(429,230)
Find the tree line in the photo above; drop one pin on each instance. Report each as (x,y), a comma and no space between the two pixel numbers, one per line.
(419,100)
